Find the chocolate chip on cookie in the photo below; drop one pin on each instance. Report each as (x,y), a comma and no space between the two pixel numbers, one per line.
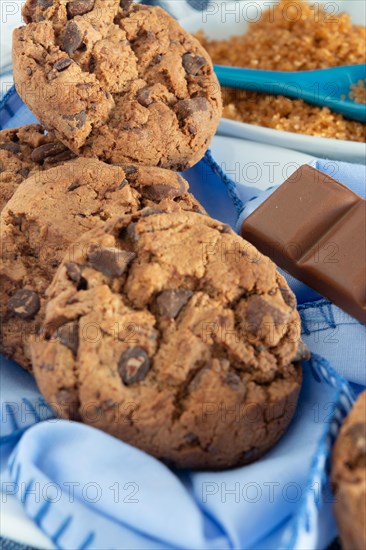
(133,365)
(24,304)
(188,107)
(45,3)
(130,171)
(74,185)
(24,172)
(170,302)
(73,38)
(77,120)
(73,271)
(144,97)
(193,63)
(41,153)
(68,335)
(11,147)
(62,64)
(112,262)
(159,191)
(79,7)
(233,380)
(258,310)
(125,4)
(289,297)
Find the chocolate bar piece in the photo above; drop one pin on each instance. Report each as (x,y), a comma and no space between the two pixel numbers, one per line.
(315,228)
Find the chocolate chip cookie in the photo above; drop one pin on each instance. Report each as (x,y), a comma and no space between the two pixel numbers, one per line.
(50,210)
(121,82)
(170,332)
(23,151)
(349,478)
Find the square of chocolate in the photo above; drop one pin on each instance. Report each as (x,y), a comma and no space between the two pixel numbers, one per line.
(314,227)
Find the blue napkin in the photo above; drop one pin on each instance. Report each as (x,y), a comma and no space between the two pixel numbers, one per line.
(86,489)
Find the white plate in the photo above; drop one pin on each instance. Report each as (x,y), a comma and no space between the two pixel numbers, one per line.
(268,165)
(225,19)
(251,165)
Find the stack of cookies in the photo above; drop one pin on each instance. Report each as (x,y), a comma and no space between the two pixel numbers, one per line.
(136,312)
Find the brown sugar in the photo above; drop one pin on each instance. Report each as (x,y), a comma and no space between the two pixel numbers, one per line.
(358,92)
(292,36)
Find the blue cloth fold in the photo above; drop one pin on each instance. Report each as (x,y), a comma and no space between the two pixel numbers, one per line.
(17,416)
(85,489)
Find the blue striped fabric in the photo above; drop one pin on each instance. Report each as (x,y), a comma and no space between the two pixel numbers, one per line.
(6,544)
(13,112)
(9,105)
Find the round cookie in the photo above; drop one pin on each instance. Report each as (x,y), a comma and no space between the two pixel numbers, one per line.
(170,332)
(49,211)
(23,151)
(349,478)
(121,82)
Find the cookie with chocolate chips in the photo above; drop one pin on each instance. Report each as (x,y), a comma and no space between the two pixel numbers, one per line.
(120,81)
(24,151)
(50,210)
(349,478)
(186,345)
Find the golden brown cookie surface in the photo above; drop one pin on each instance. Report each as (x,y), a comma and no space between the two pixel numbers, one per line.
(23,151)
(349,478)
(170,332)
(49,211)
(125,85)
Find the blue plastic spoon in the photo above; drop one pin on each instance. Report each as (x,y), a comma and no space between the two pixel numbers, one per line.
(323,87)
